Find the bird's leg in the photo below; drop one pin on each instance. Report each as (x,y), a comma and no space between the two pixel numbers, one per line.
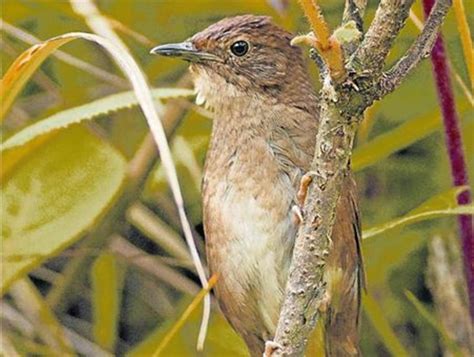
(301,196)
(303,189)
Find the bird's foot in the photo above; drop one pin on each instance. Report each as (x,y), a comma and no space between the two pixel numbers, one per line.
(271,347)
(303,189)
(297,214)
(297,209)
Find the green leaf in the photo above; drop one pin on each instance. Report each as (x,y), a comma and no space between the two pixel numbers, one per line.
(396,139)
(377,318)
(107,282)
(347,33)
(86,112)
(23,68)
(444,204)
(16,77)
(53,196)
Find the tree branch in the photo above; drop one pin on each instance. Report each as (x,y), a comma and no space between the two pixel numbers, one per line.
(342,105)
(389,20)
(419,50)
(354,11)
(306,288)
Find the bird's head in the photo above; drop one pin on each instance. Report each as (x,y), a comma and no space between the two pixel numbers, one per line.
(242,56)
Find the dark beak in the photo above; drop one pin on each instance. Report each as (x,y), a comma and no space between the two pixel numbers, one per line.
(184,50)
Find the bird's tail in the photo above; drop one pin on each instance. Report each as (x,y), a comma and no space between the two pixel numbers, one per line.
(341,326)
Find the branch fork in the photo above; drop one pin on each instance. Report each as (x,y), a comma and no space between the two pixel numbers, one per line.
(352,79)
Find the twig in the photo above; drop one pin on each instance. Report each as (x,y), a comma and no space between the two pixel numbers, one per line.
(150,264)
(353,18)
(419,50)
(354,11)
(388,21)
(419,25)
(306,288)
(166,238)
(455,152)
(329,48)
(128,31)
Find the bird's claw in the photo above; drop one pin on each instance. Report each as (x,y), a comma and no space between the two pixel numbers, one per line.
(271,347)
(297,214)
(303,189)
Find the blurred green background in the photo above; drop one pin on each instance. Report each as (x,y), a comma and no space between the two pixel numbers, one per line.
(93,256)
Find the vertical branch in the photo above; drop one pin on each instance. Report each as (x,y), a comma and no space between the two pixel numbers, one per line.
(388,21)
(354,11)
(341,108)
(306,291)
(455,153)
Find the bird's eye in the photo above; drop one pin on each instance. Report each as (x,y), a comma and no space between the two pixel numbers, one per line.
(239,48)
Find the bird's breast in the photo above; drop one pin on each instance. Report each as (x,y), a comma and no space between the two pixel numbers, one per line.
(250,231)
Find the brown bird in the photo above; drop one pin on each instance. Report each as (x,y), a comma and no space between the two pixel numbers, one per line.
(263,138)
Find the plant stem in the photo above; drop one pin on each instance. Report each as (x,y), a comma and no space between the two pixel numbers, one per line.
(455,152)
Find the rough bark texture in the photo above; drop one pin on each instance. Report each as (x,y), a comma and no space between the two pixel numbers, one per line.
(342,107)
(389,20)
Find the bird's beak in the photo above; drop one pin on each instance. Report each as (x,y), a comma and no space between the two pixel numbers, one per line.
(184,50)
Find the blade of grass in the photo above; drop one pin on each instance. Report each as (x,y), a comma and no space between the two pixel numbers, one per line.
(148,263)
(440,205)
(31,303)
(107,282)
(438,326)
(29,61)
(468,93)
(377,317)
(128,31)
(101,26)
(157,230)
(65,57)
(398,138)
(87,111)
(185,315)
(466,41)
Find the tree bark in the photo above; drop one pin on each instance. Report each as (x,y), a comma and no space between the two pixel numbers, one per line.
(342,107)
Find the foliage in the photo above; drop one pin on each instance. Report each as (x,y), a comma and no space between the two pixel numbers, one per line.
(76,167)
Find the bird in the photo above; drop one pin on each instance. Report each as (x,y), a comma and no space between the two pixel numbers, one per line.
(265,119)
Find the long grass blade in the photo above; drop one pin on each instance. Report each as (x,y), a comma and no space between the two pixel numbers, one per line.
(22,69)
(447,340)
(177,326)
